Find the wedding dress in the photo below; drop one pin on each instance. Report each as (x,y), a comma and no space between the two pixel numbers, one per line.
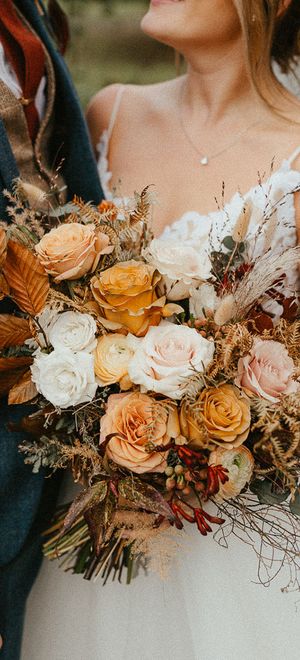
(210,607)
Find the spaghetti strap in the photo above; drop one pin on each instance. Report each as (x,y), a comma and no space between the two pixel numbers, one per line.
(294,155)
(115,111)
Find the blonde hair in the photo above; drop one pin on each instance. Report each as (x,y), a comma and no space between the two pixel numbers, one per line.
(271,34)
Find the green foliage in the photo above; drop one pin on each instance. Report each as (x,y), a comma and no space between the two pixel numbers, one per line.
(267,493)
(108,46)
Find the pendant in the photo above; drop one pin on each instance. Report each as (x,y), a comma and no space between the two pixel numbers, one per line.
(204,160)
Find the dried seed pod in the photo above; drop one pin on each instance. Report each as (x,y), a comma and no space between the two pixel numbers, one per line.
(226,310)
(241,226)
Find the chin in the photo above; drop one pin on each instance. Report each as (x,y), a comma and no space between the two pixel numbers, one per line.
(163,20)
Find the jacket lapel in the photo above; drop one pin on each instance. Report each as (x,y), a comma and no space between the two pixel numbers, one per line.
(8,165)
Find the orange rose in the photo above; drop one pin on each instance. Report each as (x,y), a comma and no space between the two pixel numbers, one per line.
(226,415)
(135,419)
(72,250)
(126,294)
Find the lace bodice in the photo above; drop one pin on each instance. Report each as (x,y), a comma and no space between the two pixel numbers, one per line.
(194,228)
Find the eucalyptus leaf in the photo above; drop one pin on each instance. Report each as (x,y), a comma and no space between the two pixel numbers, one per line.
(266,492)
(295,504)
(229,243)
(145,496)
(63,210)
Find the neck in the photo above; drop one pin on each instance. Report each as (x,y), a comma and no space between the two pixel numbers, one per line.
(217,86)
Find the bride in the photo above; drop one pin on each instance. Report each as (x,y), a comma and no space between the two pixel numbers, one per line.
(226,119)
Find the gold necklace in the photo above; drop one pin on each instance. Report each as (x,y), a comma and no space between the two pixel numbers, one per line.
(204,157)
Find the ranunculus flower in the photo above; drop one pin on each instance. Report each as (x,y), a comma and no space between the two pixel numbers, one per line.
(226,415)
(167,356)
(75,331)
(127,296)
(72,250)
(64,378)
(182,266)
(135,419)
(203,300)
(239,463)
(112,356)
(267,370)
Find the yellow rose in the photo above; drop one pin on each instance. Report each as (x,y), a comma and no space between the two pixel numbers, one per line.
(226,415)
(111,359)
(126,294)
(133,420)
(72,250)
(191,424)
(3,246)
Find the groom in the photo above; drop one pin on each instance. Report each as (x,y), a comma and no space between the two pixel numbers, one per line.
(41,125)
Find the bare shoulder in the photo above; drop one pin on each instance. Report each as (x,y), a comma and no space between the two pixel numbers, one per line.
(99,111)
(139,103)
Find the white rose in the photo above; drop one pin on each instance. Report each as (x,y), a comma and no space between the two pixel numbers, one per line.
(167,356)
(64,378)
(74,331)
(180,265)
(202,300)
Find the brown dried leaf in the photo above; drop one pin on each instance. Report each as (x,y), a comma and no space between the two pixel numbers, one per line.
(87,499)
(24,390)
(6,364)
(27,279)
(33,424)
(9,378)
(98,520)
(4,288)
(145,496)
(3,246)
(13,330)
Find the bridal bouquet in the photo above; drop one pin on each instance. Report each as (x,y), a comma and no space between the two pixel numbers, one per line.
(163,376)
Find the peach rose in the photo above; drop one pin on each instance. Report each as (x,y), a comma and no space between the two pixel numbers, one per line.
(267,371)
(112,356)
(135,419)
(226,415)
(239,463)
(126,294)
(3,246)
(72,250)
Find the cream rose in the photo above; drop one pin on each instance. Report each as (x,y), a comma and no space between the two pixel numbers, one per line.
(74,331)
(267,371)
(72,250)
(112,356)
(133,420)
(167,356)
(239,463)
(181,266)
(64,378)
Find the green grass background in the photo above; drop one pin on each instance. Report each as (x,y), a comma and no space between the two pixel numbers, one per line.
(107,46)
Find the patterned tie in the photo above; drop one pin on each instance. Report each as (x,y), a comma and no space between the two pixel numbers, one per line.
(26,54)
